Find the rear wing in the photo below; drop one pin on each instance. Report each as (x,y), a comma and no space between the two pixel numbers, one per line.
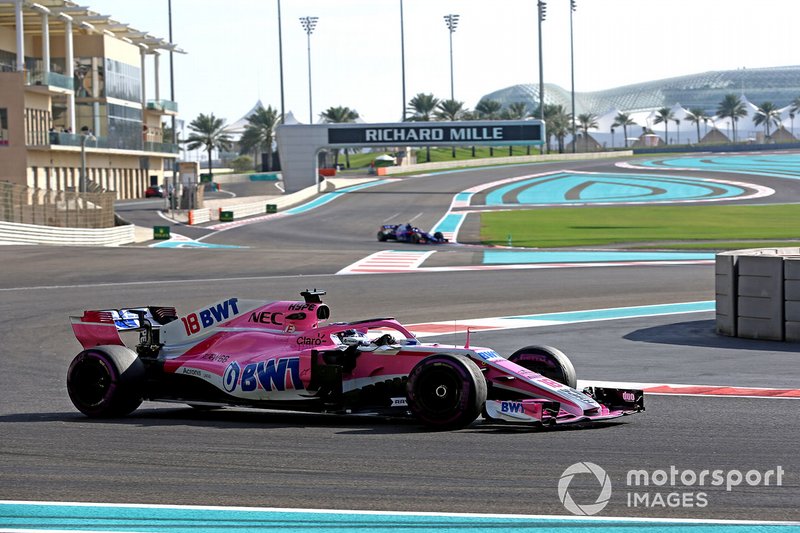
(102,327)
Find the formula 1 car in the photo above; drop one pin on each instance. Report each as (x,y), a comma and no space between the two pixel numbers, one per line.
(278,355)
(409,233)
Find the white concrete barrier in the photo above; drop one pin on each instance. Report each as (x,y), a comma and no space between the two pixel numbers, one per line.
(490,161)
(258,206)
(199,216)
(245,210)
(30,234)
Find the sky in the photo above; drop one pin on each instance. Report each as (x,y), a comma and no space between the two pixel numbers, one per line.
(232,58)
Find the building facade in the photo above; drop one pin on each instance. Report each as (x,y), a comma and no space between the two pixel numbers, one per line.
(73,101)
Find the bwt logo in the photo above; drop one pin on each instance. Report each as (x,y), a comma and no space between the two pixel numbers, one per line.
(194,322)
(584,509)
(273,375)
(512,407)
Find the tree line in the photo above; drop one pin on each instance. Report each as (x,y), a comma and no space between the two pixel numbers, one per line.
(209,132)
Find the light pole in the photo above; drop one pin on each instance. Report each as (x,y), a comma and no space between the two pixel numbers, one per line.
(572,7)
(451,21)
(403,57)
(309,23)
(85,136)
(280,61)
(542,12)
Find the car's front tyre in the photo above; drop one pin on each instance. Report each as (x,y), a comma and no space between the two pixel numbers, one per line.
(548,361)
(446,391)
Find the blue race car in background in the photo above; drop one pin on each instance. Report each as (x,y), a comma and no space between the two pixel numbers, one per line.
(409,233)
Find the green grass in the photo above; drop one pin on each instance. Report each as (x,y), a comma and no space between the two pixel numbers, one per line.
(631,226)
(441,155)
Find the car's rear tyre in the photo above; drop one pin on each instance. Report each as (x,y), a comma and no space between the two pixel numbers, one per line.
(415,238)
(446,391)
(106,381)
(381,236)
(547,361)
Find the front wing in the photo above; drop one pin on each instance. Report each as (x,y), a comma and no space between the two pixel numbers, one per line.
(614,403)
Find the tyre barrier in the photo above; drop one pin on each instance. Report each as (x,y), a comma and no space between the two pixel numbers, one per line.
(11,232)
(758,294)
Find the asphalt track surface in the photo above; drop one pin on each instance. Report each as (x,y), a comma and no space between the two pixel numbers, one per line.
(172,454)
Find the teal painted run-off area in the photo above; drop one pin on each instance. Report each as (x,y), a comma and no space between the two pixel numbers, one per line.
(42,517)
(449,223)
(331,196)
(774,165)
(570,188)
(509,257)
(622,312)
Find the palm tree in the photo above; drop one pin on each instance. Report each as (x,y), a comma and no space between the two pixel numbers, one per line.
(624,120)
(259,133)
(732,107)
(450,110)
(422,106)
(587,122)
(767,114)
(208,133)
(550,112)
(664,115)
(488,109)
(696,115)
(559,125)
(793,111)
(339,115)
(515,111)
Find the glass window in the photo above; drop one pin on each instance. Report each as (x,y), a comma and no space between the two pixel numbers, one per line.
(124,127)
(123,81)
(3,126)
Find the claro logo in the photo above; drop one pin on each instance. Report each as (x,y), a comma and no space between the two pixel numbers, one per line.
(310,341)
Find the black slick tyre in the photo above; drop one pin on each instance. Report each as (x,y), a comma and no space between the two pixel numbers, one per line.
(547,361)
(446,391)
(106,381)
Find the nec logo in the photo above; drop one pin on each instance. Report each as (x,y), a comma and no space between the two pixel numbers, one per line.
(512,407)
(265,317)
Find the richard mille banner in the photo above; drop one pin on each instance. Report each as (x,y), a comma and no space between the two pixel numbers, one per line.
(432,133)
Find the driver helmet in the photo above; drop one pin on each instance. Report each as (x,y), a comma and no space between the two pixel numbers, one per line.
(352,337)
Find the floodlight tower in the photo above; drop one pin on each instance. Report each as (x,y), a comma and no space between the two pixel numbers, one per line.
(542,13)
(451,21)
(573,5)
(309,23)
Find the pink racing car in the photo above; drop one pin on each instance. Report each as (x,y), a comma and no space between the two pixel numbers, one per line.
(280,355)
